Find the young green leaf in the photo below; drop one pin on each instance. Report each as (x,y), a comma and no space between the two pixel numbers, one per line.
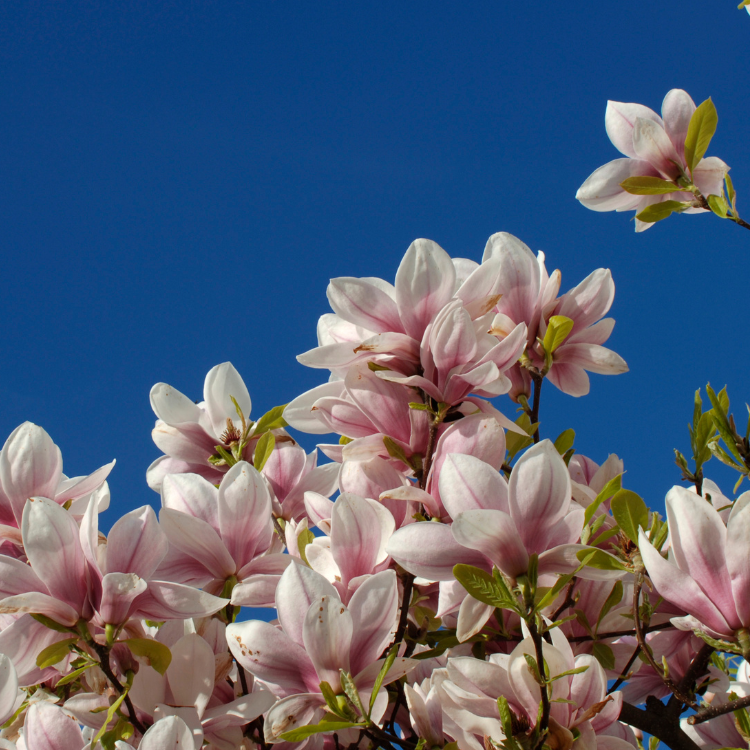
(614,598)
(630,512)
(700,132)
(483,587)
(387,664)
(110,715)
(54,653)
(271,420)
(263,450)
(558,329)
(719,205)
(604,655)
(155,653)
(302,733)
(48,622)
(564,441)
(607,491)
(658,211)
(648,186)
(599,559)
(351,692)
(73,676)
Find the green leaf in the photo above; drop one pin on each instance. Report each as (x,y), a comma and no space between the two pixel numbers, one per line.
(329,696)
(604,655)
(731,193)
(54,653)
(48,622)
(506,715)
(514,443)
(719,205)
(614,598)
(599,559)
(630,512)
(658,211)
(607,491)
(305,537)
(351,692)
(554,592)
(271,420)
(110,715)
(417,406)
(483,587)
(565,441)
(156,654)
(297,735)
(732,648)
(558,329)
(375,367)
(648,186)
(344,440)
(387,664)
(700,132)
(395,450)
(73,676)
(577,670)
(263,450)
(533,669)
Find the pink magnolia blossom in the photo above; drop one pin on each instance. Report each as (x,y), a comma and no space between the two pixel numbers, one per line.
(653,146)
(69,578)
(708,571)
(31,466)
(318,637)
(188,433)
(529,297)
(48,727)
(579,701)
(10,697)
(220,534)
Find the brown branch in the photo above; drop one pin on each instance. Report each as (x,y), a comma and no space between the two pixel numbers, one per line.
(658,721)
(537,379)
(714,711)
(103,653)
(618,633)
(624,675)
(539,654)
(568,601)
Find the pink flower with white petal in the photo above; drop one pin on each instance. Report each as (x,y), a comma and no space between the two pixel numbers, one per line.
(69,578)
(655,147)
(48,727)
(707,573)
(355,549)
(222,535)
(31,466)
(319,636)
(188,433)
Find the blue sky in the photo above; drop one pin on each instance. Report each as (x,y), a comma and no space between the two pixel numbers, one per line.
(180,180)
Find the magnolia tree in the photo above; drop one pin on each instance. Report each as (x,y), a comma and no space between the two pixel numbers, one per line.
(448,578)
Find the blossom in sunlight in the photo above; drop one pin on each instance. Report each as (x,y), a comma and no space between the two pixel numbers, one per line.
(654,147)
(707,572)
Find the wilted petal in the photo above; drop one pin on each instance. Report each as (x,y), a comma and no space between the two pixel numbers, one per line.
(223,383)
(48,727)
(425,282)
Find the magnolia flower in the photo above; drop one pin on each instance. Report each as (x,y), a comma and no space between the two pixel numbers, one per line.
(579,701)
(707,574)
(10,697)
(319,637)
(31,466)
(219,535)
(70,578)
(654,147)
(188,433)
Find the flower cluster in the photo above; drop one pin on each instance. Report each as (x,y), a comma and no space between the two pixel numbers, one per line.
(449,579)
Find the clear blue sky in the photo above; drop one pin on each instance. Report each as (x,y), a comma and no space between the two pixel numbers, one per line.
(180,180)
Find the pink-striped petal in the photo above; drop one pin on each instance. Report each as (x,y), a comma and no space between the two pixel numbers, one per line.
(620,119)
(48,727)
(362,303)
(468,483)
(677,109)
(136,544)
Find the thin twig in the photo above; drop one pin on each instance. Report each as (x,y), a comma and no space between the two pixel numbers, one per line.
(539,653)
(624,674)
(568,601)
(534,416)
(103,654)
(714,711)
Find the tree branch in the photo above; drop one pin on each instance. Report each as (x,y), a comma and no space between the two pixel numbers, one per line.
(658,721)
(714,711)
(537,379)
